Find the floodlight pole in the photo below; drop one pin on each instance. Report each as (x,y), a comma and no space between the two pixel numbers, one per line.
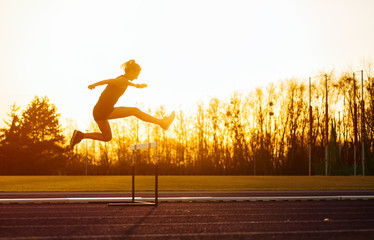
(310,127)
(340,140)
(254,154)
(362,123)
(354,125)
(86,157)
(326,129)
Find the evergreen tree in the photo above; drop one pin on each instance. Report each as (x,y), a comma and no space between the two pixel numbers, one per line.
(41,133)
(33,142)
(10,142)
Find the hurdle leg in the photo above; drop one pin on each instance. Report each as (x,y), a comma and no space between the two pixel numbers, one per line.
(156,178)
(133,177)
(156,183)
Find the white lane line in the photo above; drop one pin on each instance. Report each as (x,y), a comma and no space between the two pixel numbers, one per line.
(184,215)
(52,210)
(183,224)
(179,199)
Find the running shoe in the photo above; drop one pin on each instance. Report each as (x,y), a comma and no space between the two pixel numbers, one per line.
(76,138)
(168,120)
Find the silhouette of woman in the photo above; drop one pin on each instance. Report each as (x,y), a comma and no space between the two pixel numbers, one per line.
(104,109)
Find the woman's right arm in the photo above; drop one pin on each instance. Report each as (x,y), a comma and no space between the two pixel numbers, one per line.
(117,81)
(92,86)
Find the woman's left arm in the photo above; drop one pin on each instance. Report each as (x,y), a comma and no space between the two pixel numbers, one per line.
(143,85)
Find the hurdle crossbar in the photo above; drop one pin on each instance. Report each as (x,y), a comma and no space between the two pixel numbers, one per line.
(133,148)
(139,146)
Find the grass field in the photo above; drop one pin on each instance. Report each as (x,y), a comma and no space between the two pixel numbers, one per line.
(182,183)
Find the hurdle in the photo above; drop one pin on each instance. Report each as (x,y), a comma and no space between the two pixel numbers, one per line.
(134,148)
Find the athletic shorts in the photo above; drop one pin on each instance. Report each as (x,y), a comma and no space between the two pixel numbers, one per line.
(101,113)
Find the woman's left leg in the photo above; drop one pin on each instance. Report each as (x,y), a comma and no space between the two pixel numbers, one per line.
(105,135)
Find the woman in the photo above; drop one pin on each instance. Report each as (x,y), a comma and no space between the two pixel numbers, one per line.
(104,109)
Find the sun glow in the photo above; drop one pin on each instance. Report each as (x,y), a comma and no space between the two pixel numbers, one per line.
(189,50)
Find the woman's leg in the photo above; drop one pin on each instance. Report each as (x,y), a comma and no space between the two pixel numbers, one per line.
(122,112)
(105,135)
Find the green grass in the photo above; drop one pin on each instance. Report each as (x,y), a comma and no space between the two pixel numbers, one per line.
(182,183)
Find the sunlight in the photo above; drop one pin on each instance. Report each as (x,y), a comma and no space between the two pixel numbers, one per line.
(190,51)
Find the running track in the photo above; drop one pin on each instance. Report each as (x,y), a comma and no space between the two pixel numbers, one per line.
(332,219)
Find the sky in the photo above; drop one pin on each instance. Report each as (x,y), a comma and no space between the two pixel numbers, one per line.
(189,50)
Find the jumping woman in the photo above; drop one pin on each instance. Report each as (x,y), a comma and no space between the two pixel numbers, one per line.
(104,109)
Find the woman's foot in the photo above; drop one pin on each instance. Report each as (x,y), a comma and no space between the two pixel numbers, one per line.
(167,121)
(76,138)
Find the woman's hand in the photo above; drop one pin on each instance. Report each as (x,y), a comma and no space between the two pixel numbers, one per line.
(92,86)
(143,85)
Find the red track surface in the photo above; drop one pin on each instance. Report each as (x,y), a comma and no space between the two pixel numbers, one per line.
(209,220)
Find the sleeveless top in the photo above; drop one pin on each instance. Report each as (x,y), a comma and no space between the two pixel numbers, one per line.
(108,98)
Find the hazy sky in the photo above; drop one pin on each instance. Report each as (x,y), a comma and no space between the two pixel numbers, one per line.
(189,50)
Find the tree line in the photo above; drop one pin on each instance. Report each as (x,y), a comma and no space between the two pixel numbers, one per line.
(260,132)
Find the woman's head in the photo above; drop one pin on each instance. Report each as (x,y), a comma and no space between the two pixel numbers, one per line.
(132,69)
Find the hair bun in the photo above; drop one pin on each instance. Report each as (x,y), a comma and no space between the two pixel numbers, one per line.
(130,65)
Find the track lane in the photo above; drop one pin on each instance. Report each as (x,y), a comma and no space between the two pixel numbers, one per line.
(220,220)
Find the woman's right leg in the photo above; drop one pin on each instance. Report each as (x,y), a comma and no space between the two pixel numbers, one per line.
(105,135)
(122,112)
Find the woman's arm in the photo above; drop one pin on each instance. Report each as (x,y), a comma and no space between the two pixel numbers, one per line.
(92,86)
(143,85)
(117,81)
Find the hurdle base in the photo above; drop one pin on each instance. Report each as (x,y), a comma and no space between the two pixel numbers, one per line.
(132,204)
